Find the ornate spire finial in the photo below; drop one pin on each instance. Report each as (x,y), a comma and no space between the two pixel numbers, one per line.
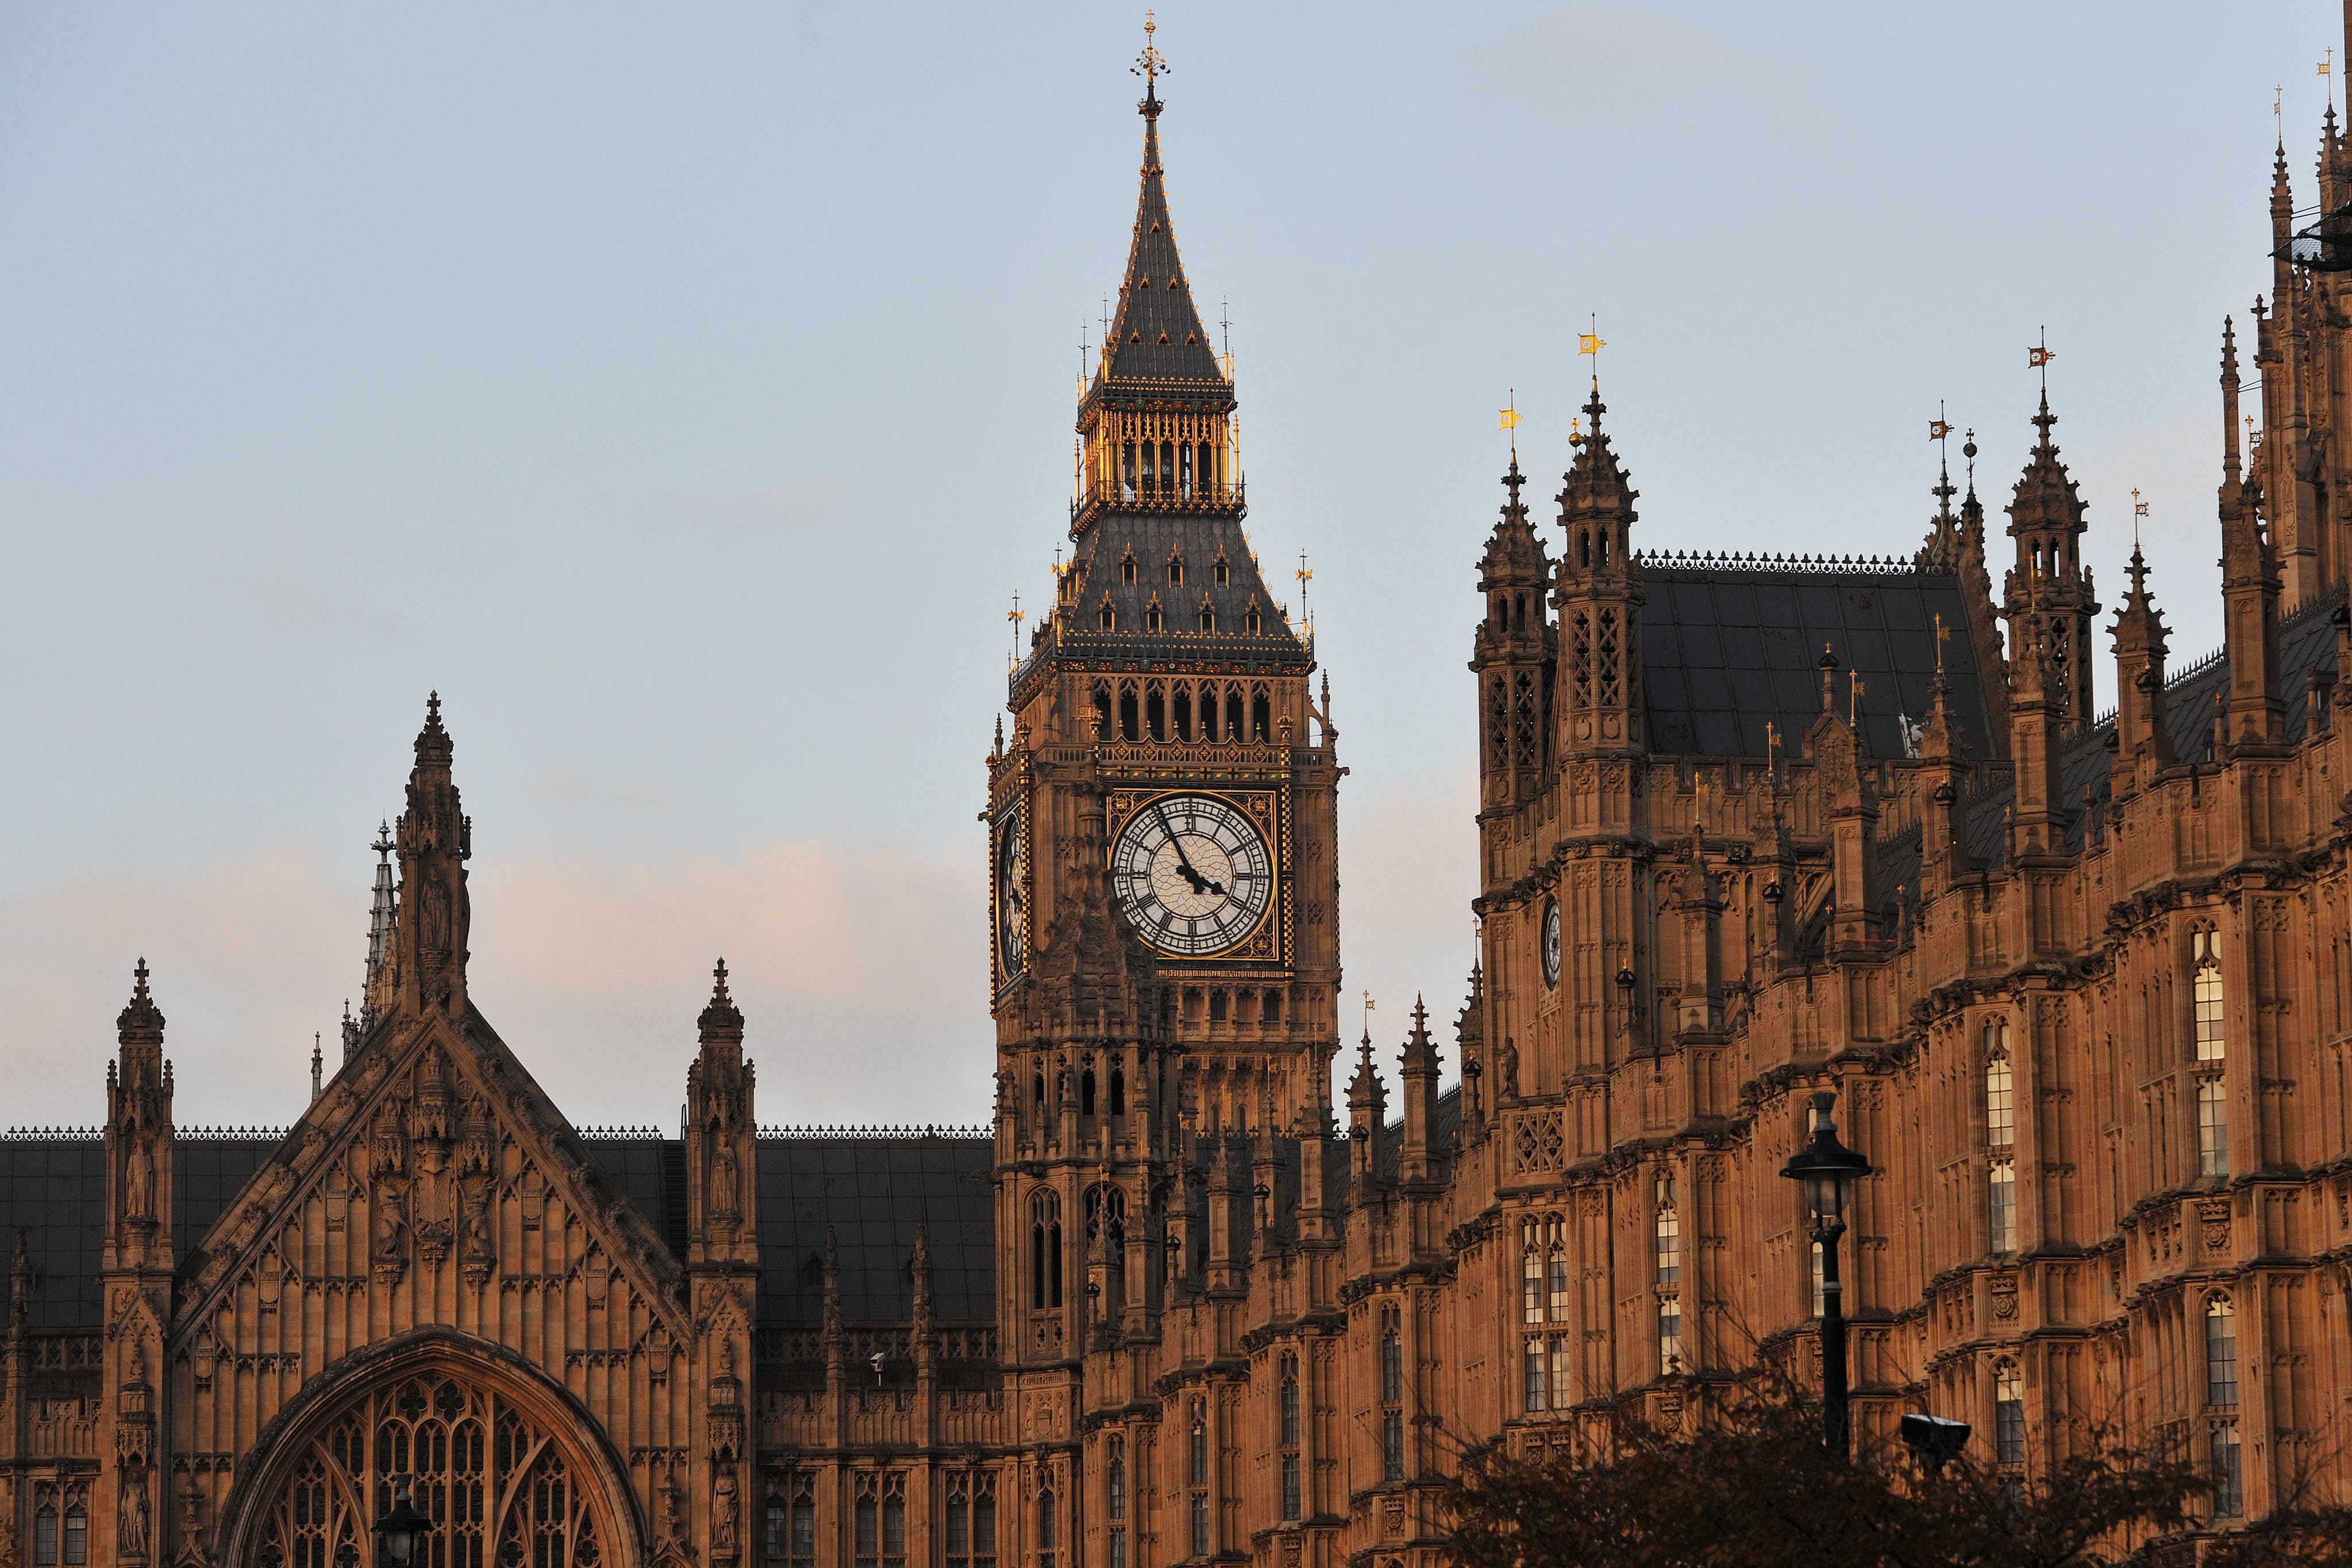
(721,1018)
(139,981)
(1150,65)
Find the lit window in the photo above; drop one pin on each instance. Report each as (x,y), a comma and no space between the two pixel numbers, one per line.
(2001,1188)
(2008,1415)
(2229,1477)
(2205,953)
(1669,1235)
(2221,1352)
(2000,1111)
(1561,1396)
(1046,1520)
(2213,1129)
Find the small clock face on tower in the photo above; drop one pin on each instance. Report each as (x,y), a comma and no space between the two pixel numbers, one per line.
(1193,874)
(1012,895)
(1550,940)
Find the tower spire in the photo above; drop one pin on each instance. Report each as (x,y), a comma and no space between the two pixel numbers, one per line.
(379,937)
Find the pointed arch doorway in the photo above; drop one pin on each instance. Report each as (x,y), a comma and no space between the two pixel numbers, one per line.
(510,1469)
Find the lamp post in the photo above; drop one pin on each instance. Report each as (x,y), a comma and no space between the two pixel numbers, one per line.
(1827,1171)
(398,1531)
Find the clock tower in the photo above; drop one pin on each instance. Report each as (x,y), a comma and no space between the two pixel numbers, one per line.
(1163,915)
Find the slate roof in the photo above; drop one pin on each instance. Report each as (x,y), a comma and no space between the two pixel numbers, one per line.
(874,1191)
(1730,644)
(53,1188)
(1155,298)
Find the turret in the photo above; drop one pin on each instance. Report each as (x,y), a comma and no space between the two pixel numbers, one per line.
(721,1146)
(1600,599)
(433,913)
(2036,709)
(2250,587)
(1513,656)
(139,1138)
(1417,1074)
(375,989)
(2141,744)
(2049,581)
(1367,1109)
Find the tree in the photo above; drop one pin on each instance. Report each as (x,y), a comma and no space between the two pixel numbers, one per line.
(1750,1485)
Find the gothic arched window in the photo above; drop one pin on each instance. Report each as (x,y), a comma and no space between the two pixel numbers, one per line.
(497,1485)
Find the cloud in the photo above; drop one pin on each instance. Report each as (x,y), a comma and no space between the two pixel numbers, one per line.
(1406,911)
(1593,47)
(292,573)
(718,518)
(862,973)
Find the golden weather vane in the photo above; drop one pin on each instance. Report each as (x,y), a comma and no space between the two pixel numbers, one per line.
(2139,510)
(1943,634)
(1591,343)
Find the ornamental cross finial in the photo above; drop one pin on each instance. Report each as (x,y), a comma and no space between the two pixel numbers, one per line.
(1150,65)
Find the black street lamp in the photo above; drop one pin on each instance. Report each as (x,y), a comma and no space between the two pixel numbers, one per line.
(400,1529)
(1828,1171)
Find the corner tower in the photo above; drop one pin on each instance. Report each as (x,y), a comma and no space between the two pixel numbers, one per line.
(1164,955)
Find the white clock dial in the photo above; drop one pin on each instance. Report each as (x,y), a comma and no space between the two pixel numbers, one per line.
(1552,942)
(1193,874)
(1012,895)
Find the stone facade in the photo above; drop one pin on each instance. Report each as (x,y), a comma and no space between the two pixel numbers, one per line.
(2082,985)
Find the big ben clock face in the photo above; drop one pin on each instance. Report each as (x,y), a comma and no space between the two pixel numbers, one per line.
(1194,874)
(1012,876)
(1550,940)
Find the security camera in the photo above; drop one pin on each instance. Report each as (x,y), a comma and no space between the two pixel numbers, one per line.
(1935,1439)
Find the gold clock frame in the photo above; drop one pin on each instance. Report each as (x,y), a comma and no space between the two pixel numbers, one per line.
(1267,946)
(1016,813)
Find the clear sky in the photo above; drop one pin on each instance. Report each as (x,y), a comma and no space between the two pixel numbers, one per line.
(683,391)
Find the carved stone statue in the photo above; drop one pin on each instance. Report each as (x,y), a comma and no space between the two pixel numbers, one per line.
(725,1512)
(390,1222)
(1510,1062)
(139,1184)
(132,1534)
(725,1184)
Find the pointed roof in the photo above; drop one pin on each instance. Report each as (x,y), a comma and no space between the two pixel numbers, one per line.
(1156,335)
(1595,483)
(1941,553)
(2045,500)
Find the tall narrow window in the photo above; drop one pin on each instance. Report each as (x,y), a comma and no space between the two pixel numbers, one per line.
(76,1535)
(1669,1235)
(2008,1415)
(1531,1276)
(2221,1352)
(1114,1499)
(804,1519)
(1047,1528)
(2000,1111)
(1556,1261)
(894,1520)
(2229,1473)
(2212,1128)
(1534,1364)
(1393,1393)
(2001,1188)
(1200,1478)
(1261,726)
(2204,952)
(1044,1250)
(1288,1431)
(1670,1336)
(983,1522)
(45,1536)
(869,1523)
(1560,1396)
(959,1522)
(1176,572)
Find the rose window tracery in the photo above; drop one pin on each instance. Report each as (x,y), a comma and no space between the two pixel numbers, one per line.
(498,1490)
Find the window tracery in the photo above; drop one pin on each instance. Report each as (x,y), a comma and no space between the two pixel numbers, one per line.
(499,1490)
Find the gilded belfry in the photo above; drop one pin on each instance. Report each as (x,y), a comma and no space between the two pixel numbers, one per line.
(1749,828)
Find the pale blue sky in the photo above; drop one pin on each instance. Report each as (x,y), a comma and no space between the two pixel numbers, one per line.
(685,389)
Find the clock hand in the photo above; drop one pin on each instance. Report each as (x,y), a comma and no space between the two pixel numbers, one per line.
(1183,861)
